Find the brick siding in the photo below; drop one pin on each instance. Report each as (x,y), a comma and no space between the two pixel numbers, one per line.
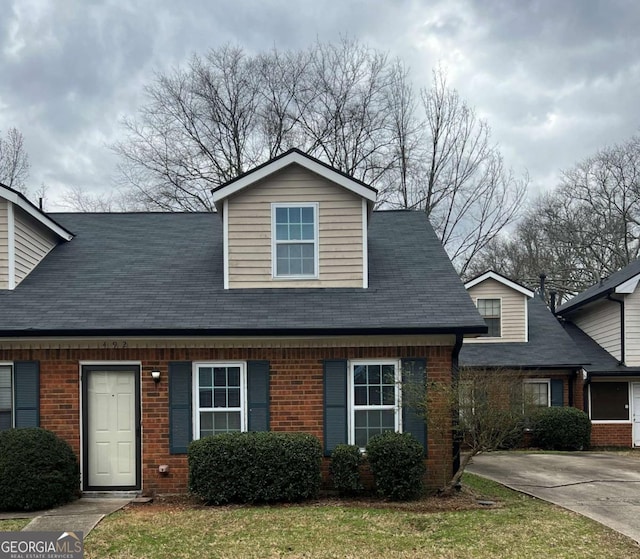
(296,393)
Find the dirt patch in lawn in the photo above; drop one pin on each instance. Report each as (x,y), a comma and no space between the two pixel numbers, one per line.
(465,499)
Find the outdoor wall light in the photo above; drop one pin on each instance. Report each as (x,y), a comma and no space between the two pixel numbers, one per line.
(155,375)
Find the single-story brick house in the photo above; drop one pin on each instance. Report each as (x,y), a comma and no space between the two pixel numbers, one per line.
(295,307)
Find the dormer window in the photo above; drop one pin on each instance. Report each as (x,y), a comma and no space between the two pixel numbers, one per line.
(295,240)
(490,311)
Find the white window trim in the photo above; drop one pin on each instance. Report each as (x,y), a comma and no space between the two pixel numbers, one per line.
(316,240)
(501,320)
(546,381)
(13,393)
(195,383)
(613,421)
(397,407)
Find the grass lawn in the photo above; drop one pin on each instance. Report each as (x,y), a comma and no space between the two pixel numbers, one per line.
(517,526)
(13,525)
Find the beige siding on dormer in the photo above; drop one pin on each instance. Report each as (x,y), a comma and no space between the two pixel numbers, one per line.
(4,246)
(32,243)
(632,328)
(601,321)
(513,309)
(340,231)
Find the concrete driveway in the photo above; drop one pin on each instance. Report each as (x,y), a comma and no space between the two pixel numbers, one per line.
(603,486)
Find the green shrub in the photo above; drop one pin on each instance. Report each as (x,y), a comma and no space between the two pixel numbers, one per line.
(38,470)
(560,428)
(255,467)
(345,469)
(397,464)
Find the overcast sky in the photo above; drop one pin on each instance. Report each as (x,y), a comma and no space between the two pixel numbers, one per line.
(555,79)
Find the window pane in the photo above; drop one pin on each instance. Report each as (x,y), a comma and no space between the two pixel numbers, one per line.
(295,215)
(387,420)
(610,400)
(374,374)
(536,393)
(206,424)
(308,266)
(5,420)
(375,396)
(307,215)
(295,267)
(388,374)
(388,395)
(204,375)
(282,232)
(220,398)
(234,397)
(234,376)
(295,232)
(308,232)
(306,250)
(360,374)
(360,396)
(220,376)
(282,216)
(206,398)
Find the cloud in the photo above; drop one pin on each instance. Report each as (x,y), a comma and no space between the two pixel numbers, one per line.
(556,80)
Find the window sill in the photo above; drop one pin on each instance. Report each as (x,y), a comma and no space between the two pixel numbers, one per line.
(610,421)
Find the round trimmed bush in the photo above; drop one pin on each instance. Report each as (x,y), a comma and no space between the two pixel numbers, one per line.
(560,428)
(38,470)
(255,467)
(345,469)
(397,464)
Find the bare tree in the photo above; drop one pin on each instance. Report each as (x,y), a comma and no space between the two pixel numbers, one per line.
(587,228)
(344,103)
(78,199)
(14,161)
(484,409)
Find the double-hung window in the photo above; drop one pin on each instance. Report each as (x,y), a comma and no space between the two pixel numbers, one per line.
(375,399)
(490,311)
(220,396)
(6,398)
(295,240)
(537,393)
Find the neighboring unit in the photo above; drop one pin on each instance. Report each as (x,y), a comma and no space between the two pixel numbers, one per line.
(524,337)
(294,308)
(604,321)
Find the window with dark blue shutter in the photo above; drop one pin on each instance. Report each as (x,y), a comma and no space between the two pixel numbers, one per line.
(180,418)
(26,381)
(557,392)
(414,377)
(335,404)
(258,395)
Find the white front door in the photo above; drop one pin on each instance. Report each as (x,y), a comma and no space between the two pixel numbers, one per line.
(111,438)
(636,412)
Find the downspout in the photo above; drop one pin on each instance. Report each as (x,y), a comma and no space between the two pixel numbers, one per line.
(622,332)
(455,375)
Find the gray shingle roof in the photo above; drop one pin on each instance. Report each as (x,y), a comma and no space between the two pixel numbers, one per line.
(599,360)
(163,273)
(548,346)
(602,288)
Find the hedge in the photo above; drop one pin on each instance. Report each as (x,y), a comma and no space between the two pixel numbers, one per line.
(255,467)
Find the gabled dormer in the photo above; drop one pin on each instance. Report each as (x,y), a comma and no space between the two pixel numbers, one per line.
(27,235)
(503,304)
(295,222)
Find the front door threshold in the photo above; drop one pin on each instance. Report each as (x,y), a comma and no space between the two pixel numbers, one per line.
(111,494)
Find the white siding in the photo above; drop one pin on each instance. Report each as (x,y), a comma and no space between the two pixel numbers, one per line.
(33,242)
(513,311)
(4,246)
(601,321)
(632,328)
(340,231)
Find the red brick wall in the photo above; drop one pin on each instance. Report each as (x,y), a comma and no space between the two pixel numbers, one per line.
(611,434)
(296,397)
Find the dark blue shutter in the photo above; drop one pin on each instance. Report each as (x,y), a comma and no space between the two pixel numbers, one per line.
(26,386)
(557,392)
(335,404)
(414,376)
(258,395)
(180,418)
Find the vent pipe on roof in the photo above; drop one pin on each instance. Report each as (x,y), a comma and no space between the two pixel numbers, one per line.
(40,203)
(552,302)
(543,277)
